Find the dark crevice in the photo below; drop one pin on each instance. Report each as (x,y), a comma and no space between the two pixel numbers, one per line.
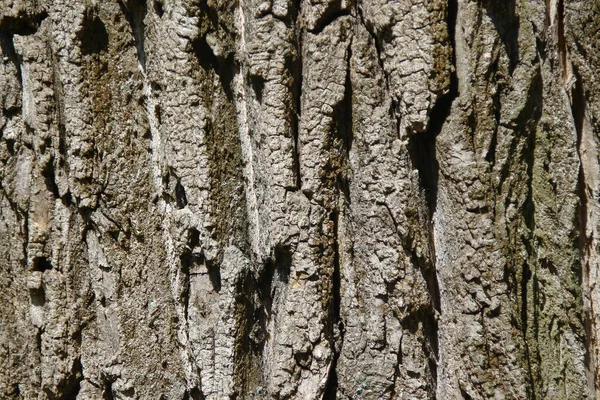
(187,260)
(506,21)
(578,106)
(174,191)
(223,66)
(62,142)
(50,178)
(250,337)
(343,119)
(528,273)
(296,107)
(422,146)
(16,392)
(422,150)
(578,110)
(562,45)
(331,387)
(257,83)
(193,394)
(8,50)
(108,390)
(41,264)
(38,296)
(214,275)
(490,156)
(330,16)
(261,298)
(135,13)
(25,232)
(10,146)
(464,394)
(92,35)
(71,386)
(180,197)
(159,8)
(157,115)
(23,23)
(272,284)
(335,318)
(38,340)
(282,264)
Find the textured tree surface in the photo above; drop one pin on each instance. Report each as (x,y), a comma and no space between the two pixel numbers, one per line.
(299,199)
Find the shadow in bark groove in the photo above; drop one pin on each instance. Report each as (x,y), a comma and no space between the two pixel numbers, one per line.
(93,35)
(527,122)
(8,50)
(422,150)
(335,319)
(135,11)
(422,146)
(23,23)
(193,394)
(343,129)
(158,8)
(506,21)
(586,244)
(224,67)
(296,106)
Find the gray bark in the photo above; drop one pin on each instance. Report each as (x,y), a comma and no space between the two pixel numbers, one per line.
(314,199)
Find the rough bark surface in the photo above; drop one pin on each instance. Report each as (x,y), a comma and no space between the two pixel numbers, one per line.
(299,199)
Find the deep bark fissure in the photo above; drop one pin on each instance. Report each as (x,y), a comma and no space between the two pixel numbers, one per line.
(71,385)
(507,23)
(561,42)
(93,35)
(135,13)
(528,274)
(335,319)
(329,17)
(158,8)
(224,66)
(8,50)
(107,393)
(50,178)
(586,244)
(193,394)
(422,145)
(297,74)
(24,23)
(343,129)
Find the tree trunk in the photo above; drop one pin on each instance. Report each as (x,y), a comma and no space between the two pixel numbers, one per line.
(315,199)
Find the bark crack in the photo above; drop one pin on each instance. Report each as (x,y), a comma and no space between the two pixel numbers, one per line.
(337,325)
(588,166)
(329,18)
(8,50)
(297,100)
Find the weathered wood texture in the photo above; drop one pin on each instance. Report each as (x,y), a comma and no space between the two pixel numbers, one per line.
(299,200)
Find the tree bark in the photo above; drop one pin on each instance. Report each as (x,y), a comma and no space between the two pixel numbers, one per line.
(298,200)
